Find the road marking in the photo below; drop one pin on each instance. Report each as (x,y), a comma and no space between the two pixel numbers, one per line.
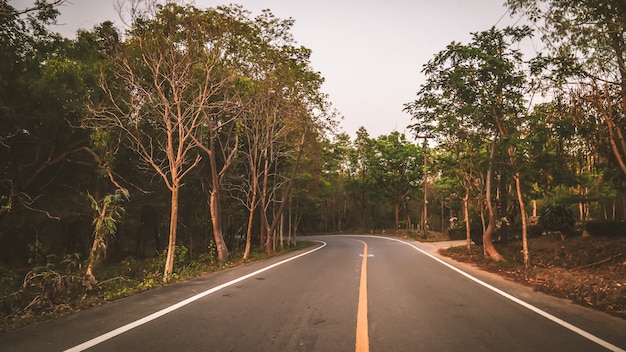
(362,334)
(113,333)
(524,304)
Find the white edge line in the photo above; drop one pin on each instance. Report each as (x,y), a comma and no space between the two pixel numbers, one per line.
(524,304)
(122,329)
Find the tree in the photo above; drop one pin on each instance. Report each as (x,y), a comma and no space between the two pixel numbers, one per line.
(107,213)
(46,162)
(360,181)
(163,96)
(260,85)
(459,163)
(397,169)
(480,87)
(587,44)
(283,108)
(34,138)
(334,200)
(221,110)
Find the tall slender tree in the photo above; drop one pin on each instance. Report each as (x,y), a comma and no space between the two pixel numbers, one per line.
(166,89)
(480,86)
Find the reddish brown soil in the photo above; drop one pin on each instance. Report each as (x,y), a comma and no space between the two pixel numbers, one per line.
(588,271)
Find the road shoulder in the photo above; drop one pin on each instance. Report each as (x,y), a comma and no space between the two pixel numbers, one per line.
(596,322)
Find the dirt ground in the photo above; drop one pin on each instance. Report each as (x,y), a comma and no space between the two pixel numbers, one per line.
(589,271)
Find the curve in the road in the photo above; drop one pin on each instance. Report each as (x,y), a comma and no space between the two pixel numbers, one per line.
(522,303)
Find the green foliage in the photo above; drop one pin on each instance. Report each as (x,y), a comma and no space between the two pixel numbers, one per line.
(9,280)
(456,234)
(43,170)
(587,50)
(115,289)
(211,255)
(476,231)
(100,139)
(182,257)
(36,253)
(72,263)
(557,217)
(473,89)
(108,212)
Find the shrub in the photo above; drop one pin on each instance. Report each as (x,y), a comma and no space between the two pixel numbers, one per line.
(458,233)
(557,217)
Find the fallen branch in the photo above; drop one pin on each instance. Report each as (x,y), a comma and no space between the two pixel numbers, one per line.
(100,283)
(605,260)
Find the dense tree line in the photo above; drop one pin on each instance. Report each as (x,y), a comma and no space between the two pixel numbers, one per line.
(202,128)
(515,129)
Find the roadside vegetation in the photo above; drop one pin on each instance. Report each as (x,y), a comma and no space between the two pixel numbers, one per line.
(194,138)
(57,287)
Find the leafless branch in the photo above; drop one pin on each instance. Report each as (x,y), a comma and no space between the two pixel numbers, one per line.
(27,204)
(4,11)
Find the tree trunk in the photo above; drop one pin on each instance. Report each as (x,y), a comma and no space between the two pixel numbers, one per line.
(246,252)
(94,255)
(218,237)
(397,213)
(287,192)
(214,192)
(443,218)
(255,184)
(171,247)
(281,231)
(481,206)
(290,224)
(214,205)
(520,199)
(90,281)
(407,227)
(468,231)
(425,210)
(614,209)
(264,226)
(489,249)
(617,43)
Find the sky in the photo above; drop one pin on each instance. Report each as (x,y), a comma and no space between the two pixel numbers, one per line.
(370,52)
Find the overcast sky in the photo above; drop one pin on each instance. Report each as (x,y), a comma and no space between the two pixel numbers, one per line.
(370,52)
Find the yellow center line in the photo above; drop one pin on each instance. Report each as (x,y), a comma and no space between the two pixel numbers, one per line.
(362,335)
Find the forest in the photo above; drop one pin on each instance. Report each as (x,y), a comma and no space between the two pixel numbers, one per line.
(206,133)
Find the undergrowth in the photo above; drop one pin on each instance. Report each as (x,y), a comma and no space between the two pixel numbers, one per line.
(57,287)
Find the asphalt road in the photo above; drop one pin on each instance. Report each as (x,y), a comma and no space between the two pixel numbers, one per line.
(349,293)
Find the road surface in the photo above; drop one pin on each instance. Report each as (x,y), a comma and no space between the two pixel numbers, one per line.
(347,293)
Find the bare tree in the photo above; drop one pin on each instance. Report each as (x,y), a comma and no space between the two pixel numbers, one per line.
(162,89)
(281,107)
